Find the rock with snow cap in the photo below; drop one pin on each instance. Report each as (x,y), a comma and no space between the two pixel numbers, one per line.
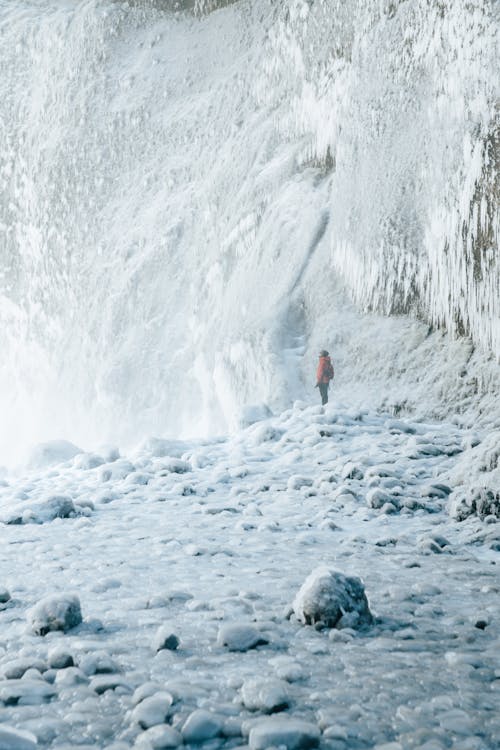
(59,658)
(268,696)
(240,637)
(17,668)
(332,599)
(29,691)
(165,638)
(159,737)
(201,726)
(283,731)
(153,710)
(55,612)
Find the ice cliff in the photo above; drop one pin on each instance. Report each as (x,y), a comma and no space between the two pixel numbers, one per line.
(195,196)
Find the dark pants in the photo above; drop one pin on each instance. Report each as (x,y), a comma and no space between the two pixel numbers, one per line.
(323,389)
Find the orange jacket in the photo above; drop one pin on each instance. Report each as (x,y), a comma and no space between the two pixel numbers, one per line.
(324,373)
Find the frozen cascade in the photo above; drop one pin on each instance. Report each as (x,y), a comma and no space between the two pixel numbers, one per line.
(186,198)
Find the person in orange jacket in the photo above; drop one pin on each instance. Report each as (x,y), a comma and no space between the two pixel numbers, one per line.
(324,374)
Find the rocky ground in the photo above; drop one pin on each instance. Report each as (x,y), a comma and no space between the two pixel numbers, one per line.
(152,600)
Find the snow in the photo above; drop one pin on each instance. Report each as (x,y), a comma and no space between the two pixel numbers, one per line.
(432,583)
(192,205)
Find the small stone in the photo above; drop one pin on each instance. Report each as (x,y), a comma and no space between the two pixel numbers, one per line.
(98,663)
(4,595)
(60,659)
(159,737)
(146,690)
(103,683)
(71,676)
(33,692)
(17,668)
(200,726)
(165,638)
(240,637)
(293,734)
(56,612)
(153,710)
(268,696)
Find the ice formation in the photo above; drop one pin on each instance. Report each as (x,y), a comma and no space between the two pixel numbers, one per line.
(191,192)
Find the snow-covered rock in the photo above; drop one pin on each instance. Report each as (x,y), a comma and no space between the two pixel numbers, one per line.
(474,501)
(153,710)
(296,482)
(52,453)
(98,662)
(59,658)
(70,676)
(87,461)
(15,669)
(161,447)
(42,511)
(283,731)
(146,690)
(333,599)
(165,638)
(16,739)
(240,637)
(104,682)
(201,726)
(377,499)
(31,691)
(55,612)
(159,737)
(268,696)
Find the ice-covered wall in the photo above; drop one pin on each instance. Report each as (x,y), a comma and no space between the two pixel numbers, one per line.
(186,192)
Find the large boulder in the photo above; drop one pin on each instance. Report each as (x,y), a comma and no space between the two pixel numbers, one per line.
(333,600)
(55,612)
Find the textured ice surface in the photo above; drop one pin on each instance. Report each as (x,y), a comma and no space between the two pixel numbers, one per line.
(424,673)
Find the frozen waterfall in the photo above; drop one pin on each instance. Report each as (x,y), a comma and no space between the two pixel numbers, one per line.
(195,196)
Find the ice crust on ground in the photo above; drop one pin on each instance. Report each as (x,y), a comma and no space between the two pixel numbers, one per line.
(424,674)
